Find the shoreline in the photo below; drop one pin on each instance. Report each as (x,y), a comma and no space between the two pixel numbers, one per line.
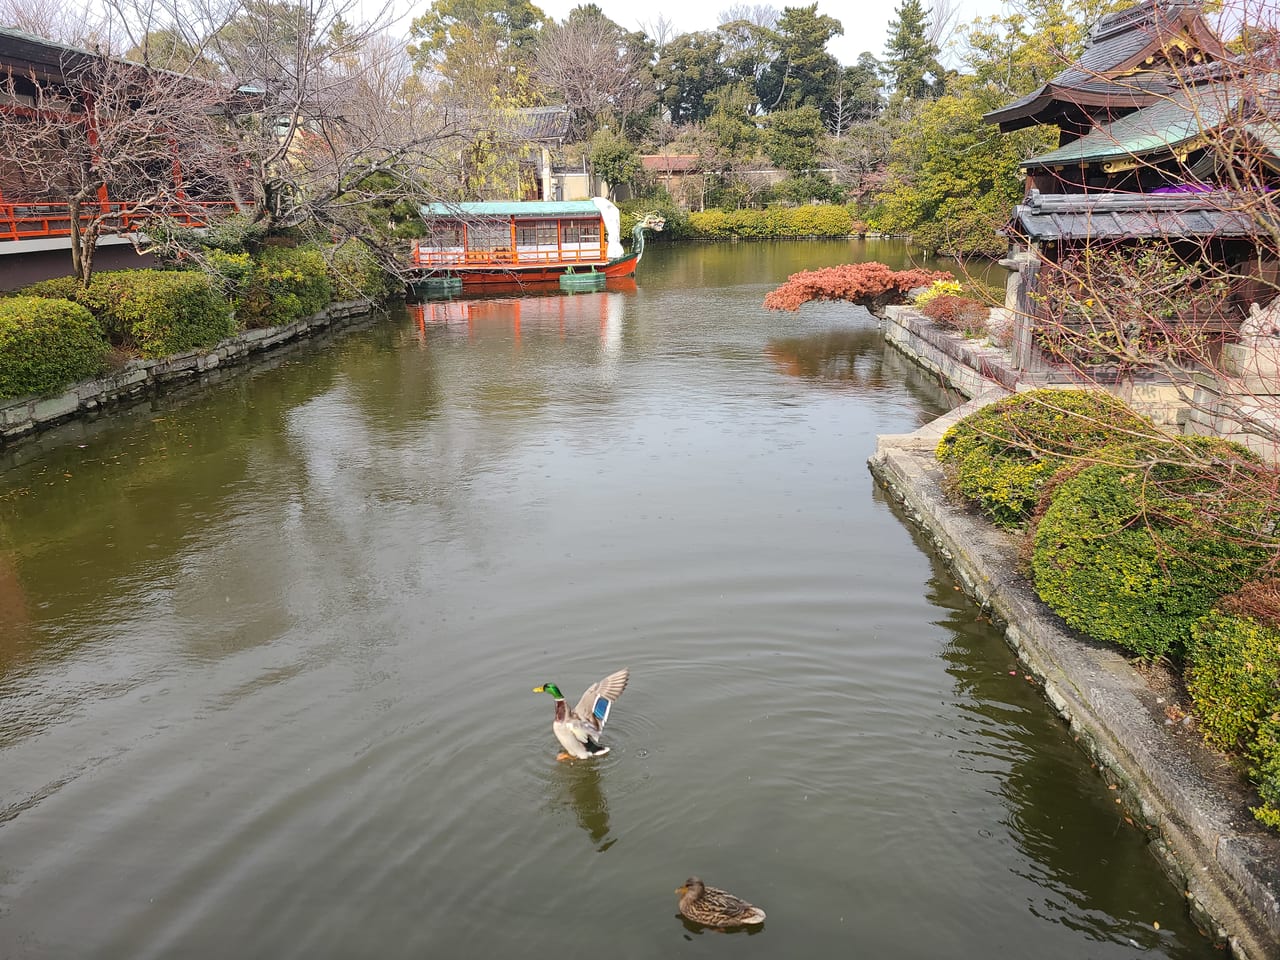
(25,417)
(1191,804)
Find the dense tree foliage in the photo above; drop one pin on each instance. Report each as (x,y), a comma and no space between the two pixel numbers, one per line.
(481,47)
(802,73)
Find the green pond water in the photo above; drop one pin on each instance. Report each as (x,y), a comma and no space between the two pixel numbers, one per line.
(267,650)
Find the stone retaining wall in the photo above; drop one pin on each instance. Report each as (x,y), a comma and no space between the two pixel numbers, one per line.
(971,368)
(1192,805)
(27,415)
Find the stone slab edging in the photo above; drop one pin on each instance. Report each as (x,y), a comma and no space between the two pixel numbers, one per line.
(1191,804)
(27,415)
(968,366)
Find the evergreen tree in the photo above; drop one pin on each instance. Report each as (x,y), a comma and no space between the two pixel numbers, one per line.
(910,58)
(802,73)
(691,67)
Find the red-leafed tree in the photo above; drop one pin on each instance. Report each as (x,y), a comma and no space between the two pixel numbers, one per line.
(872,285)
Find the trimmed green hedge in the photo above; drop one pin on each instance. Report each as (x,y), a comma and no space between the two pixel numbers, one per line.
(1265,771)
(1125,553)
(285,284)
(155,312)
(813,220)
(160,312)
(46,344)
(1001,456)
(1233,676)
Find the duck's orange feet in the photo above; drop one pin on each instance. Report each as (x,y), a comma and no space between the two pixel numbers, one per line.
(563,756)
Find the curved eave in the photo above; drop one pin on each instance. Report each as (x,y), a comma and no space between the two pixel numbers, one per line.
(1052,103)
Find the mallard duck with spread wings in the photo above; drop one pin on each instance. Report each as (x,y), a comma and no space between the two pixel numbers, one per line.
(578,730)
(713,907)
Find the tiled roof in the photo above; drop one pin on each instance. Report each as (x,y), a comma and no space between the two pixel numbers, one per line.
(1115,41)
(1118,216)
(539,123)
(670,162)
(1166,125)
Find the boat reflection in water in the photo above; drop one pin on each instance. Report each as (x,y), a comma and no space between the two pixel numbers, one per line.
(522,314)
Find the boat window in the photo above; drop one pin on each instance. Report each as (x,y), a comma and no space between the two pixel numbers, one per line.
(489,235)
(581,231)
(536,233)
(444,236)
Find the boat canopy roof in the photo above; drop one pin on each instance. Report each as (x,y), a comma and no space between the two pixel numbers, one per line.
(527,208)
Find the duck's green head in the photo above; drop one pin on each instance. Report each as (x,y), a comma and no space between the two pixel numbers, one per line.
(550,688)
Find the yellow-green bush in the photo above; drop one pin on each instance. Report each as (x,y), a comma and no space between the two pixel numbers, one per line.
(813,220)
(1265,771)
(938,288)
(286,284)
(1233,676)
(46,344)
(1001,456)
(155,312)
(1134,553)
(161,312)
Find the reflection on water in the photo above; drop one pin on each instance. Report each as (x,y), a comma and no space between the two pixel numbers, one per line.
(595,312)
(580,787)
(851,355)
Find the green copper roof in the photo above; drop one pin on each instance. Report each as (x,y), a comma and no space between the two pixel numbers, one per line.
(528,208)
(1160,127)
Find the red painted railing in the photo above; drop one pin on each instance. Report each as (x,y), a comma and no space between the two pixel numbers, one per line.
(425,257)
(27,221)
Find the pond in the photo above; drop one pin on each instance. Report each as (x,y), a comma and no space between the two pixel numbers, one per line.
(267,653)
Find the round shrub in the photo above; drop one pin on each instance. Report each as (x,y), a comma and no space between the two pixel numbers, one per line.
(1001,456)
(1135,553)
(46,344)
(962,314)
(160,312)
(1233,676)
(286,284)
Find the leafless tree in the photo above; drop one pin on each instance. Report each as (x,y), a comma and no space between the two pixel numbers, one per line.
(64,22)
(660,31)
(944,16)
(326,116)
(103,144)
(590,62)
(759,15)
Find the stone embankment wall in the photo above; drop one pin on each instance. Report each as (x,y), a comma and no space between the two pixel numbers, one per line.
(27,415)
(1191,804)
(971,368)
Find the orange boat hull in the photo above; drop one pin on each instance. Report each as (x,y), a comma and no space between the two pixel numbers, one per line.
(542,273)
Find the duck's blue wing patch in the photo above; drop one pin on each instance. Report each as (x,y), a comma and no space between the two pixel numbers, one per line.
(601,710)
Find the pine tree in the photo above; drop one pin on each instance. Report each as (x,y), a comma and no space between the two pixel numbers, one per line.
(911,65)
